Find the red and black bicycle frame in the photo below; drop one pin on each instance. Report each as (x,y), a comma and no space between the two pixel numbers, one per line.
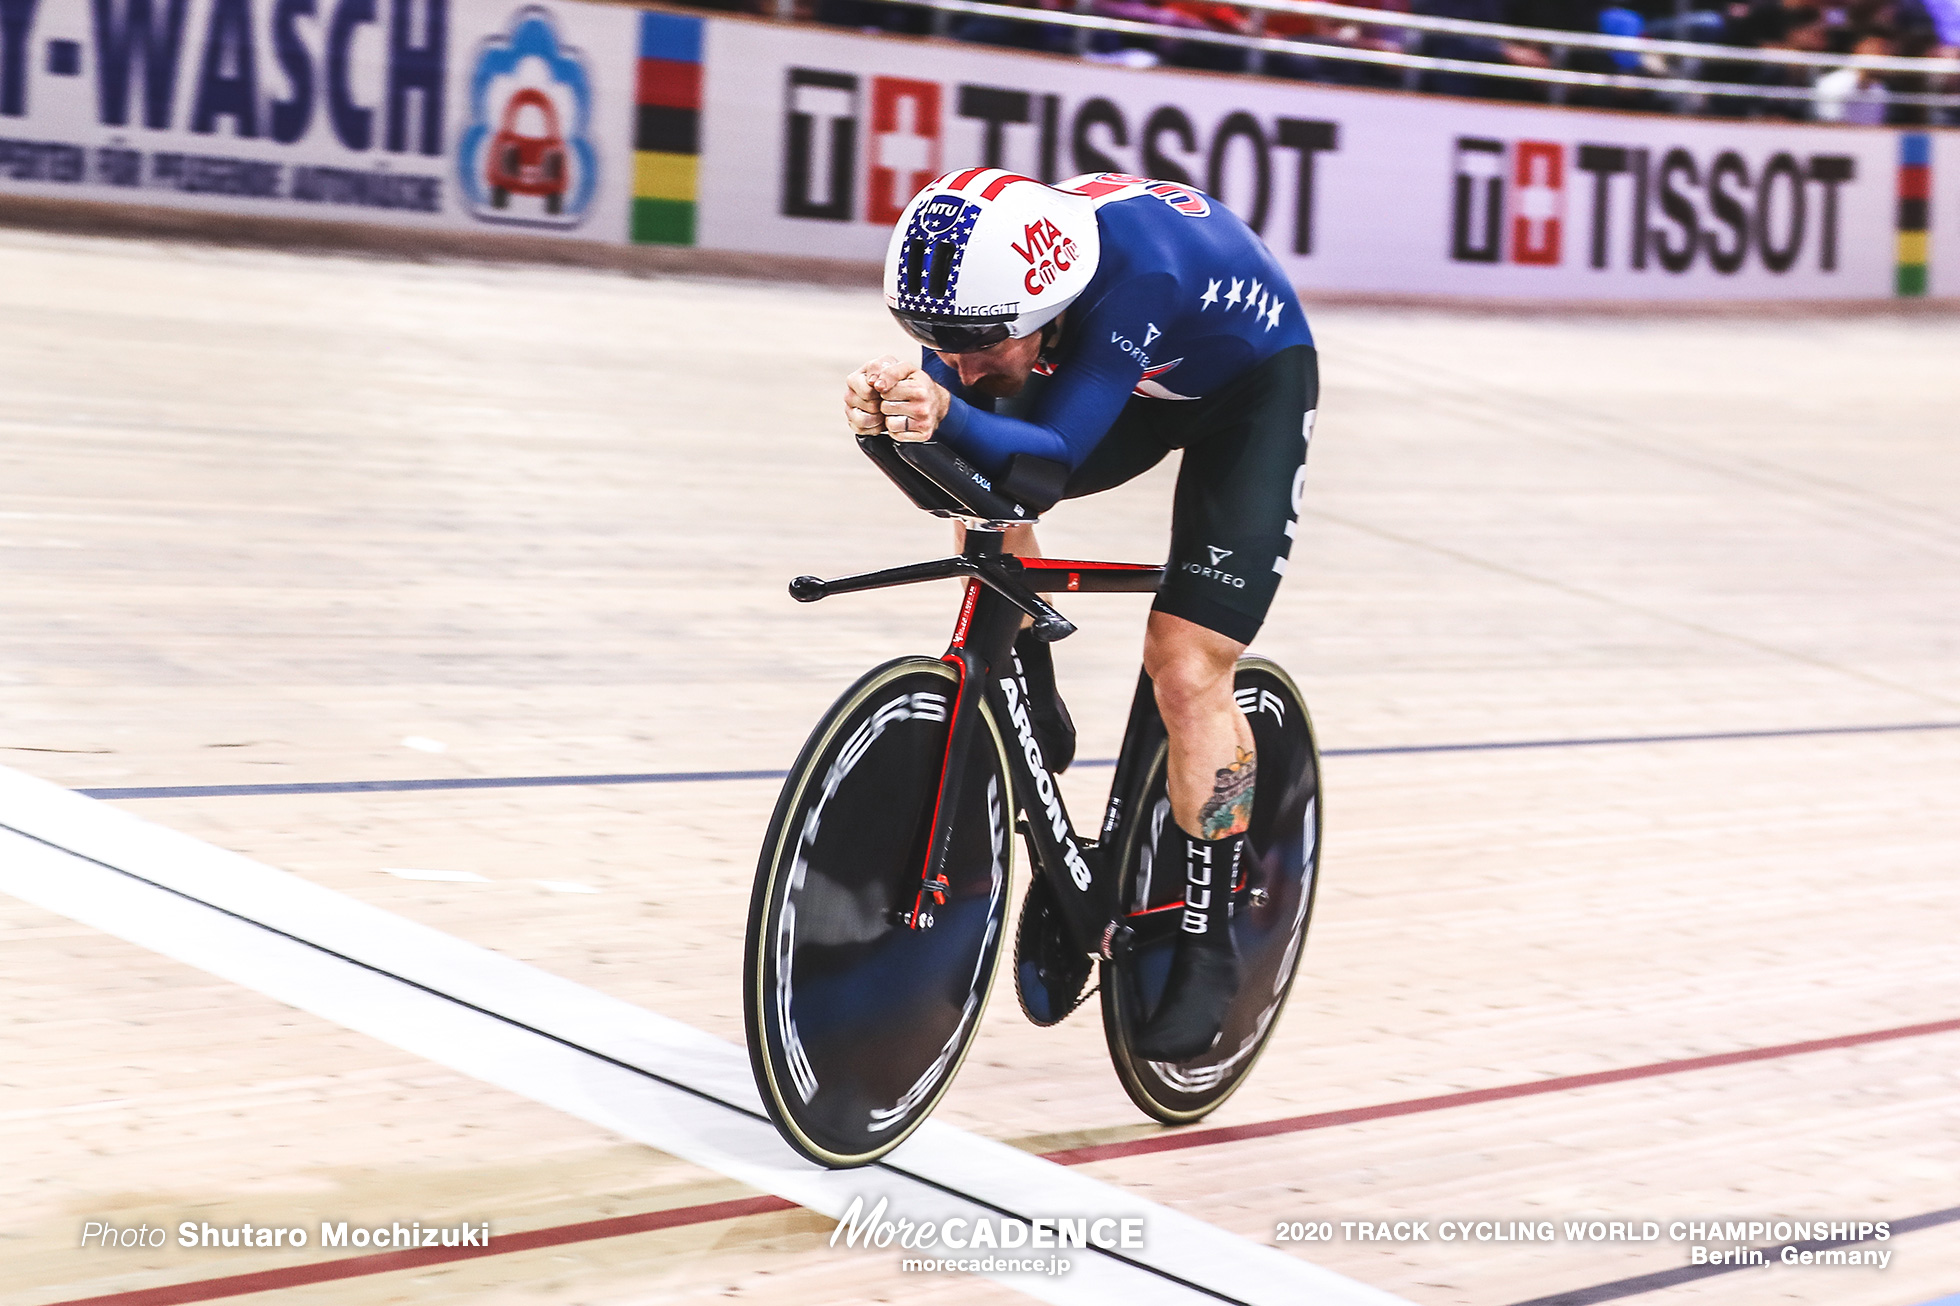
(1001,591)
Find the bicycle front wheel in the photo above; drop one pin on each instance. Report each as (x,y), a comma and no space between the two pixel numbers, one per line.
(856,1020)
(1271,906)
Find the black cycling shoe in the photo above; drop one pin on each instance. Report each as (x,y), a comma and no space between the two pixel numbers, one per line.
(1054,729)
(1205,973)
(1204,979)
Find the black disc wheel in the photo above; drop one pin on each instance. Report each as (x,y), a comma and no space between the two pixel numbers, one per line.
(857,1017)
(1271,906)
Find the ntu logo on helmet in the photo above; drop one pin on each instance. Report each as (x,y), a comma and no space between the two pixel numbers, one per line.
(934,246)
(940,213)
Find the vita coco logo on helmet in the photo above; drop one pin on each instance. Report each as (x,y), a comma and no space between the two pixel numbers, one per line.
(1047,252)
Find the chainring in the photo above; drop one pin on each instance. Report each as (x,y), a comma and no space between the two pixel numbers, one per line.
(1049,971)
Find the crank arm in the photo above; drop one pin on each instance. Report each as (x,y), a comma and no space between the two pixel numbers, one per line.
(1049,625)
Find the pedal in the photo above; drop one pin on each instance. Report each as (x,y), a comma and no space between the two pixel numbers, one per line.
(1117,940)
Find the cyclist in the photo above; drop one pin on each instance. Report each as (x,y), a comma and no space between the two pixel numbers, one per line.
(1073,336)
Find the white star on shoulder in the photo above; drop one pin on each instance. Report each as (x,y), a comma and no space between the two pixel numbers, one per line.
(1232,295)
(1210,297)
(1253,294)
(1272,318)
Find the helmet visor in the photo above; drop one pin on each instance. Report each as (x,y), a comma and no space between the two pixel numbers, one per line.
(953,337)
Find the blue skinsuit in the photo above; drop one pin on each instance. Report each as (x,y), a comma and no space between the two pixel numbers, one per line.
(1180,305)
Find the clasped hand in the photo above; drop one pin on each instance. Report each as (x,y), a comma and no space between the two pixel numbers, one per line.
(895,397)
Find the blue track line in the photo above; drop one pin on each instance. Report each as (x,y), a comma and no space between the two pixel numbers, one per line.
(698,777)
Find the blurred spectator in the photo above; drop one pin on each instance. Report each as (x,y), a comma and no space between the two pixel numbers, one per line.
(1135,51)
(1340,32)
(1209,16)
(1821,27)
(870,16)
(1854,95)
(1944,18)
(1480,49)
(1617,20)
(986,29)
(1700,25)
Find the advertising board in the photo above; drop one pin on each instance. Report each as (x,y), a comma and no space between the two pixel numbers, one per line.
(814,140)
(492,114)
(603,123)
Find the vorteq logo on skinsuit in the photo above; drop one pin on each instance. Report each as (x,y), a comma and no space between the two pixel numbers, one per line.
(1666,209)
(527,155)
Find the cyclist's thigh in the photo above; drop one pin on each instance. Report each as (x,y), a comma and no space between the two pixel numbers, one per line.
(1238,497)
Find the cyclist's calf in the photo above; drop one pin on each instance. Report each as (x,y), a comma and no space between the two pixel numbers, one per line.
(1211,753)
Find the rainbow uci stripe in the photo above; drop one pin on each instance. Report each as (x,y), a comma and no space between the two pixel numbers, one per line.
(1915,199)
(667,129)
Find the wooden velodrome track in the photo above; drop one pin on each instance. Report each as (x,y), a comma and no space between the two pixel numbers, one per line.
(265,517)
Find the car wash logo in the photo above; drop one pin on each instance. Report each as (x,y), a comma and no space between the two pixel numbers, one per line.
(1644,208)
(527,155)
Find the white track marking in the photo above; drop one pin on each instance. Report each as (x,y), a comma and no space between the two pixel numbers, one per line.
(583,1053)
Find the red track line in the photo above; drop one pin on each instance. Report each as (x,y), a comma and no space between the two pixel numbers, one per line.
(384,1262)
(1172,1142)
(354,1267)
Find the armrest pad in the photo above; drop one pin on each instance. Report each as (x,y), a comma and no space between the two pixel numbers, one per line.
(1037,482)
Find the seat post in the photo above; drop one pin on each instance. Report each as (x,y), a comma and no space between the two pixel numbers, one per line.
(982,544)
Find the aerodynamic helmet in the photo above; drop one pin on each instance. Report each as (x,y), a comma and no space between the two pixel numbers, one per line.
(983,255)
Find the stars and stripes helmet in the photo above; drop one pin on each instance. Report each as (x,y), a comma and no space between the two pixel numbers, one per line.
(984,255)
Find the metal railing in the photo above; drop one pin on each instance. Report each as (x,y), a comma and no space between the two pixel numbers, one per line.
(1686,92)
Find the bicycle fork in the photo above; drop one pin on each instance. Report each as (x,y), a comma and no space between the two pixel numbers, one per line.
(983,637)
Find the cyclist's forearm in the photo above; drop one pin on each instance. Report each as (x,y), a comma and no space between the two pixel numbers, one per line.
(988,440)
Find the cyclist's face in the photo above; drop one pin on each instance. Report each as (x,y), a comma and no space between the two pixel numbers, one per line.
(998,371)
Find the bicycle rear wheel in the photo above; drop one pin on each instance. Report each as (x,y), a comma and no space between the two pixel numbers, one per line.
(857,1022)
(1272,905)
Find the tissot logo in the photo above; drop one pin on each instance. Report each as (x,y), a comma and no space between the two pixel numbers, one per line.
(820,121)
(904,144)
(836,149)
(1666,209)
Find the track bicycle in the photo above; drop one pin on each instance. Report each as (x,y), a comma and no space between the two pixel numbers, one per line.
(881,894)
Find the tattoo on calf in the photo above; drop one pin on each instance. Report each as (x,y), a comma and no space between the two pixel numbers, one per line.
(1229,809)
